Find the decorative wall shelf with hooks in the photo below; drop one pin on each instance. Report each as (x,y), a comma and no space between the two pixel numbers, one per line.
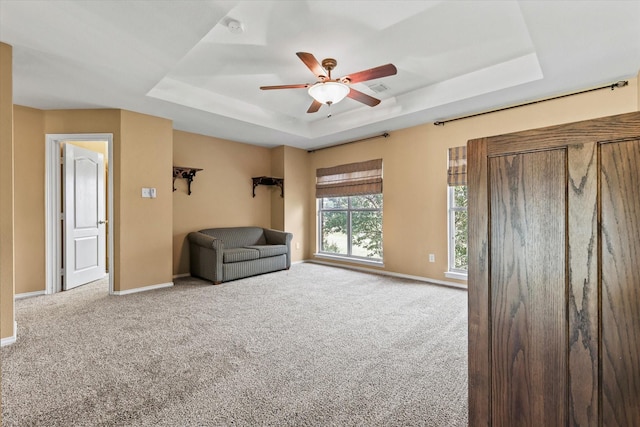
(268,180)
(186,173)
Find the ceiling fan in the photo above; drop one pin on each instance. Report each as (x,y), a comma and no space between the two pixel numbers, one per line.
(329,91)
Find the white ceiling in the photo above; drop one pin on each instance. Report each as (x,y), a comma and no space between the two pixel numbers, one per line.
(177,59)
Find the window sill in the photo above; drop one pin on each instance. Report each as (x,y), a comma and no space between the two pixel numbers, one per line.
(349,259)
(455,275)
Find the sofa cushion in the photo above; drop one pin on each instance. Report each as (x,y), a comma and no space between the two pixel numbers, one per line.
(237,237)
(239,254)
(237,270)
(269,250)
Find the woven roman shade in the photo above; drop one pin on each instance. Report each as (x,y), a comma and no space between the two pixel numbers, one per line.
(350,180)
(457,171)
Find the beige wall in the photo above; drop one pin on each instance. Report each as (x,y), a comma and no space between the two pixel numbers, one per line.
(297,200)
(277,202)
(29,175)
(221,192)
(144,159)
(415,167)
(7,249)
(142,152)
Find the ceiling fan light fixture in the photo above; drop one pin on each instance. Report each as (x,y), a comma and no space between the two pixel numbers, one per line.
(329,92)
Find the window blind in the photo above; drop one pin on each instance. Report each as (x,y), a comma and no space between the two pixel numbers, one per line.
(457,171)
(350,180)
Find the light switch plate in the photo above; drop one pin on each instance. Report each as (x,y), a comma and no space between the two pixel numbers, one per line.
(148,193)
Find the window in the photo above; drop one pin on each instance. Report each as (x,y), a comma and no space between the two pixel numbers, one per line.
(350,210)
(457,181)
(458,229)
(351,226)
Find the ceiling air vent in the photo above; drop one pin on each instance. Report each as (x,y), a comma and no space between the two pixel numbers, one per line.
(378,87)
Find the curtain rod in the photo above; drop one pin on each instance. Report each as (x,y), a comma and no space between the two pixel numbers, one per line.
(384,135)
(621,83)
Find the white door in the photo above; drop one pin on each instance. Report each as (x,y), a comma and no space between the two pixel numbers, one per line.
(84,216)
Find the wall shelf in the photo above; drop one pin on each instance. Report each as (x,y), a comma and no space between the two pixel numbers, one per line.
(268,180)
(186,173)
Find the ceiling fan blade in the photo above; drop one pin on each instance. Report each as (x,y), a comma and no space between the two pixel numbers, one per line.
(315,106)
(363,97)
(372,73)
(312,63)
(303,85)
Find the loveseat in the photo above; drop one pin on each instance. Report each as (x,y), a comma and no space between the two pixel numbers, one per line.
(223,254)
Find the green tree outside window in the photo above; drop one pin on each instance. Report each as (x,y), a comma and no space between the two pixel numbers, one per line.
(352,226)
(458,221)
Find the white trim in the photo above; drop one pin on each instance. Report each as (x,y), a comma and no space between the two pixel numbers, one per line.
(53,235)
(451,210)
(29,294)
(178,276)
(143,289)
(353,260)
(13,338)
(52,232)
(455,275)
(390,273)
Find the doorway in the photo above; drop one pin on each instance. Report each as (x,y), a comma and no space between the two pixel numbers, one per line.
(55,268)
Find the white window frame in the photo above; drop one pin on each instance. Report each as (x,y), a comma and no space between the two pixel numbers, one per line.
(453,272)
(348,256)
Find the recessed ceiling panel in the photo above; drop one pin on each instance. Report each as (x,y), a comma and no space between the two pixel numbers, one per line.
(223,71)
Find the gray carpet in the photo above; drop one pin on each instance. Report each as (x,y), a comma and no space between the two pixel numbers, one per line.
(312,346)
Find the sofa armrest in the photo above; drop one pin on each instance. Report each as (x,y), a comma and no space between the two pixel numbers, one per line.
(205,256)
(277,237)
(204,240)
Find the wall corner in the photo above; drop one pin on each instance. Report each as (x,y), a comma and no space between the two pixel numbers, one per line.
(7,226)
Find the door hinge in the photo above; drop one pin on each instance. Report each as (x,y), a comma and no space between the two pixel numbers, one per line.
(61,216)
(62,271)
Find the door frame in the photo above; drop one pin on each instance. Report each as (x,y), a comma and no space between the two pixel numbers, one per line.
(53,205)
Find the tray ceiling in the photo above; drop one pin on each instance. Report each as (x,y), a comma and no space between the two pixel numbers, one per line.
(179,59)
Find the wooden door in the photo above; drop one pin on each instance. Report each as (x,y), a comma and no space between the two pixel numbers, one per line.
(620,249)
(554,282)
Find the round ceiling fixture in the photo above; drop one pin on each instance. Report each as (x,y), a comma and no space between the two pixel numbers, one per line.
(235,26)
(329,92)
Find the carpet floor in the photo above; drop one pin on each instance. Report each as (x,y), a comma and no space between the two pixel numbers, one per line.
(311,346)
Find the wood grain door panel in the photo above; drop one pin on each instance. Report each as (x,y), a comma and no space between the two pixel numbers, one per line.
(528,288)
(582,294)
(620,207)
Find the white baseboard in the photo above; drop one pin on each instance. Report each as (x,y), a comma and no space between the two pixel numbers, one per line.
(178,276)
(143,289)
(12,339)
(390,273)
(29,294)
